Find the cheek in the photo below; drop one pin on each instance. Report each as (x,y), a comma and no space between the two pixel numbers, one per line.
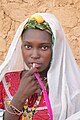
(24,54)
(47,57)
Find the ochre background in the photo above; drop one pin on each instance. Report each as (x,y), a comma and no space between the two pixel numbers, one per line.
(13,12)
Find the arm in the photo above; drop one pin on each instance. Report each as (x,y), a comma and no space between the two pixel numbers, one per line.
(27,87)
(18,104)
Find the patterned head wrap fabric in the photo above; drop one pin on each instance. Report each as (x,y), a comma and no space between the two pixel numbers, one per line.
(37,22)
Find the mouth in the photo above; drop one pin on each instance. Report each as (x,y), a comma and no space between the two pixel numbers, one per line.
(37,65)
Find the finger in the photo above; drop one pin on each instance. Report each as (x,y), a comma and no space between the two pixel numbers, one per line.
(38,91)
(33,77)
(22,74)
(38,85)
(38,74)
(34,85)
(30,72)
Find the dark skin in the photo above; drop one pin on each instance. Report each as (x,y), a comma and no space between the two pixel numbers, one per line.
(36,48)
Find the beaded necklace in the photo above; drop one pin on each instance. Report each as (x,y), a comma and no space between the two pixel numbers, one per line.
(29,108)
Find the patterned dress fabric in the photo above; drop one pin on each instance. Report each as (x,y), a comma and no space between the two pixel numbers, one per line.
(12,83)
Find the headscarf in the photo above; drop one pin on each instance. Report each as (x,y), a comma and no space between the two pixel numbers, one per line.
(63,75)
(37,22)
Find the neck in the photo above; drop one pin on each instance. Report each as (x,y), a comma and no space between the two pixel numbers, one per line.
(42,74)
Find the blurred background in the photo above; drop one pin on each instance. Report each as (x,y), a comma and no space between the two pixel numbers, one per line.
(14,12)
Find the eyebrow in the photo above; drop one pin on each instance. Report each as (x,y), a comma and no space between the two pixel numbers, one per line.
(40,43)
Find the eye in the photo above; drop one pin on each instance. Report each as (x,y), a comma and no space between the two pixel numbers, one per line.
(44,47)
(28,47)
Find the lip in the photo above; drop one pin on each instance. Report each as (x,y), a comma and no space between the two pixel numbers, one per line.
(37,65)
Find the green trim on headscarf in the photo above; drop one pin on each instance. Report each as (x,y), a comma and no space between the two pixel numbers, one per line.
(32,24)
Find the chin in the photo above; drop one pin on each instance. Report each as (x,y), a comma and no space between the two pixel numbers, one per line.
(39,70)
(42,71)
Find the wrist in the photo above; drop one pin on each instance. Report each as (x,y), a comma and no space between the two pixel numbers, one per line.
(18,101)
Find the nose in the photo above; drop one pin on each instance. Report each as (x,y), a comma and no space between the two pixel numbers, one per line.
(35,54)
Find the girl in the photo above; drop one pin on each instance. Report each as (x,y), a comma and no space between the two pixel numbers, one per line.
(40,46)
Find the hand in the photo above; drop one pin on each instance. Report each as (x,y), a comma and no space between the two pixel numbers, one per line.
(28,84)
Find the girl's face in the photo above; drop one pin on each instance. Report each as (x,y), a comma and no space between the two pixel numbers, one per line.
(37,48)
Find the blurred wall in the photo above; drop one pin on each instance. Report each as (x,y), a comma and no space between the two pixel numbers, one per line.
(13,12)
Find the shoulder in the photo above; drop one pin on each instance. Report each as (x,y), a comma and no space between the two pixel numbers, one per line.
(12,81)
(9,74)
(12,76)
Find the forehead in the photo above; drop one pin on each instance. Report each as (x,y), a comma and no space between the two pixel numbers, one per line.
(36,34)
